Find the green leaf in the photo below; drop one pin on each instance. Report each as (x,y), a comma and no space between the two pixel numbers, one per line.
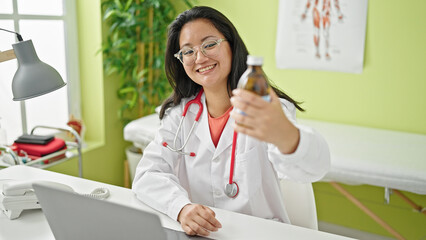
(110,13)
(118,4)
(128,4)
(122,19)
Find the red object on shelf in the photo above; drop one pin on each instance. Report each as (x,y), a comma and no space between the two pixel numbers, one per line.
(50,160)
(41,150)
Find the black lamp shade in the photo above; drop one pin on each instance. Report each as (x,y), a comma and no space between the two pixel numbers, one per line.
(33,77)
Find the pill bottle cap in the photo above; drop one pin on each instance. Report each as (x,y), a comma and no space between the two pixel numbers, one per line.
(254,60)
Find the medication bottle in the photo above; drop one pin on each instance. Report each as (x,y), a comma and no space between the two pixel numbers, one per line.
(254,79)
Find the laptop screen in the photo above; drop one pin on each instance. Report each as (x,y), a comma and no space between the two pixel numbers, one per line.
(73,216)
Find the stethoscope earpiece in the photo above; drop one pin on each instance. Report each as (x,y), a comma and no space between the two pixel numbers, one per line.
(232,190)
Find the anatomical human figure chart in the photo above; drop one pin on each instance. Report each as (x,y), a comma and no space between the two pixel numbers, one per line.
(324,35)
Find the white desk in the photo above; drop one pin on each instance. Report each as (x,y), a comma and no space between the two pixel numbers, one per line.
(33,225)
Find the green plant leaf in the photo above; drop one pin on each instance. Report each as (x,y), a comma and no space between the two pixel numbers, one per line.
(128,4)
(118,4)
(127,24)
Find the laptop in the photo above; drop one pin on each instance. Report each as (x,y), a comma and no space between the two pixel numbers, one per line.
(74,216)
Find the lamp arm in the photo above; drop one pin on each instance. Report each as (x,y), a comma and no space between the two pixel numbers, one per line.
(7,55)
(17,34)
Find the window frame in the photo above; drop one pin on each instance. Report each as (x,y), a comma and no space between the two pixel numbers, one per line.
(69,19)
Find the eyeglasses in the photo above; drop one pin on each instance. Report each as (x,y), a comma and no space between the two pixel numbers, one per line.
(210,48)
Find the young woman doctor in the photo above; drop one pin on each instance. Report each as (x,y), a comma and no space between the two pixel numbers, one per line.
(205,53)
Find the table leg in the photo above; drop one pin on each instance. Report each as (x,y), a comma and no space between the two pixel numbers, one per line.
(366,210)
(416,207)
(126,174)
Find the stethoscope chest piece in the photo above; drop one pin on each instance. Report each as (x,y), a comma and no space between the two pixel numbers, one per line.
(231,190)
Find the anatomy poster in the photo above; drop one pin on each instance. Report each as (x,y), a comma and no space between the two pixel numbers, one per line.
(326,35)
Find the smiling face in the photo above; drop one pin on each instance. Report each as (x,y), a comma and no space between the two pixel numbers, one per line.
(210,72)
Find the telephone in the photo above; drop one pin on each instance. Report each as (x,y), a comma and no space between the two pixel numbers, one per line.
(17,195)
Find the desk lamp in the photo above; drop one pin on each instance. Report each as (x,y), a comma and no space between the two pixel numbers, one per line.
(33,77)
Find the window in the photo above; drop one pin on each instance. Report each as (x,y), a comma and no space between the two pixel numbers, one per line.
(51,25)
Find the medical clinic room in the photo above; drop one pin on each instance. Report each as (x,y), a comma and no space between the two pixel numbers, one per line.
(114,125)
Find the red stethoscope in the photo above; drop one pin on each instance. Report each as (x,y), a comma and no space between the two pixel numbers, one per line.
(231,188)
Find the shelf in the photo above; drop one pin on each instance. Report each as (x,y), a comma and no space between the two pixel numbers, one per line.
(73,150)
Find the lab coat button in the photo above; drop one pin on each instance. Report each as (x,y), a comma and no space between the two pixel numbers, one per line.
(218,192)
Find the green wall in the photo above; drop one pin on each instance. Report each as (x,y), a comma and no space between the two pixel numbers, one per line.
(389,94)
(104,155)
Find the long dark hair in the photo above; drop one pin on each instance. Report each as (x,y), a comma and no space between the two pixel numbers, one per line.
(182,85)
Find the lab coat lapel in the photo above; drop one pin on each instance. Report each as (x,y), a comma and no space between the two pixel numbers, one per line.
(202,131)
(225,140)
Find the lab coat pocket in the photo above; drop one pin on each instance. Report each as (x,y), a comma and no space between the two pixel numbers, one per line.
(248,172)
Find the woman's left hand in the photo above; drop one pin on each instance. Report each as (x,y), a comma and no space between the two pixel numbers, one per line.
(264,120)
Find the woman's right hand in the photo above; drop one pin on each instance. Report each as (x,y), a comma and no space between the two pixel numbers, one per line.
(197,219)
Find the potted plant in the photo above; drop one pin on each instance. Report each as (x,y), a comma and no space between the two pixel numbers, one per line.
(134,50)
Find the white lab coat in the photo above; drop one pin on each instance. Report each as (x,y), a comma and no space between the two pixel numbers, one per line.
(167,181)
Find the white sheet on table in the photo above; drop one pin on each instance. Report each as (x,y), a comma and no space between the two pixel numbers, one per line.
(361,155)
(142,131)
